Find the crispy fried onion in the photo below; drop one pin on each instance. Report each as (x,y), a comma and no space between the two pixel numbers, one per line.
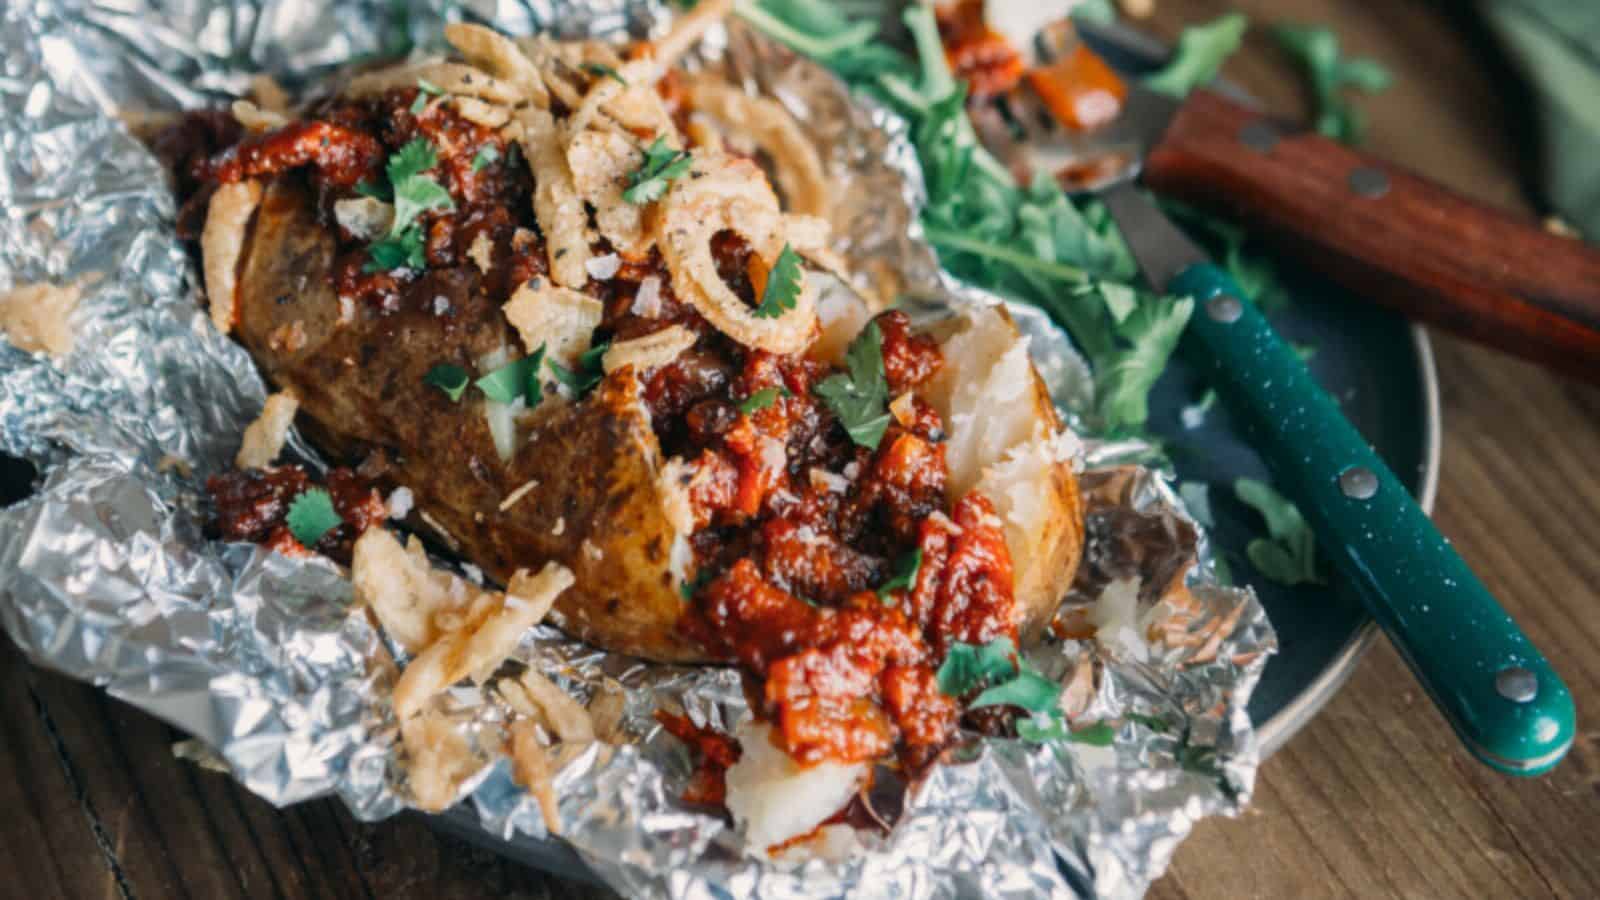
(450,77)
(632,102)
(499,56)
(556,204)
(560,319)
(600,162)
(264,438)
(795,159)
(484,637)
(728,194)
(543,701)
(367,218)
(688,29)
(403,589)
(531,768)
(478,112)
(439,759)
(37,317)
(256,119)
(651,351)
(220,245)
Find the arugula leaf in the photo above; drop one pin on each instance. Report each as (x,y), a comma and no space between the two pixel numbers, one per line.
(451,379)
(1289,556)
(586,374)
(967,666)
(311,516)
(1200,54)
(661,166)
(783,286)
(396,251)
(760,400)
(518,378)
(601,70)
(904,576)
(861,398)
(485,157)
(1028,690)
(1317,50)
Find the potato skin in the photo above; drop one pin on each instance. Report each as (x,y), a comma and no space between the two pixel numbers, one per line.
(1045,580)
(595,507)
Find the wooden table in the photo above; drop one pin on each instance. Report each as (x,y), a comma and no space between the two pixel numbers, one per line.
(1373,799)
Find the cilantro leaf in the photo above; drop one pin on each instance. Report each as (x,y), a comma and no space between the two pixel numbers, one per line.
(904,576)
(1317,51)
(427,87)
(414,158)
(967,666)
(451,379)
(311,516)
(395,252)
(860,399)
(586,374)
(688,589)
(1200,54)
(783,285)
(760,400)
(516,379)
(486,156)
(1288,555)
(661,166)
(601,70)
(414,196)
(375,190)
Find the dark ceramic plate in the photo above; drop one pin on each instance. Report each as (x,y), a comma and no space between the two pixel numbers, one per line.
(1380,369)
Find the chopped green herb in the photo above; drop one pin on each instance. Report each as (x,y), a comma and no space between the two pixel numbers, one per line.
(661,166)
(601,70)
(1154,723)
(1288,555)
(375,190)
(1029,690)
(587,373)
(1317,50)
(451,379)
(904,576)
(416,157)
(516,379)
(860,399)
(688,589)
(311,516)
(760,400)
(428,87)
(395,252)
(414,196)
(783,285)
(969,666)
(1200,54)
(413,193)
(485,157)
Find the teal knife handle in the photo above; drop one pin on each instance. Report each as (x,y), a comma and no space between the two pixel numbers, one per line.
(1497,691)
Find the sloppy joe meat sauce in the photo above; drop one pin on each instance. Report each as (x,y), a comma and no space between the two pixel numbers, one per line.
(796,526)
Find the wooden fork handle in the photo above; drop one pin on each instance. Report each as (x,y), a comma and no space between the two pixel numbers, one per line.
(1391,236)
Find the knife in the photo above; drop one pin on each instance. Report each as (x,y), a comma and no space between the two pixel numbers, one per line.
(1497,691)
(1388,235)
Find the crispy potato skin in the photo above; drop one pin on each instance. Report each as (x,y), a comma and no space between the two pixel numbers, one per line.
(595,508)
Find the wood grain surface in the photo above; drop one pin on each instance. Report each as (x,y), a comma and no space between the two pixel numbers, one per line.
(1374,799)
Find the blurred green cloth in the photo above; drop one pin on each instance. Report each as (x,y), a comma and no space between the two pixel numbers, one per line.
(1555,44)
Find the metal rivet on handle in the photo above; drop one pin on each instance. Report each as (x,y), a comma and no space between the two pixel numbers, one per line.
(1259,136)
(1516,684)
(1369,182)
(1224,308)
(1358,483)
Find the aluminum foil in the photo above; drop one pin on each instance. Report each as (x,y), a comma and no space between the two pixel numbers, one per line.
(105,574)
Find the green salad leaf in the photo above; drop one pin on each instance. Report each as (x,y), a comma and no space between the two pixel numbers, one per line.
(1317,51)
(311,516)
(860,398)
(1201,51)
(1288,554)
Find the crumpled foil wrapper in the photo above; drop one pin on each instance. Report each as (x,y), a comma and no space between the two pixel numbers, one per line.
(105,574)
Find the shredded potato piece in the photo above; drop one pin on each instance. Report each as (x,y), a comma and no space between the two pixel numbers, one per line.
(798,165)
(221,242)
(476,651)
(452,78)
(264,438)
(438,760)
(651,351)
(530,767)
(560,319)
(560,211)
(499,56)
(730,194)
(256,119)
(36,317)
